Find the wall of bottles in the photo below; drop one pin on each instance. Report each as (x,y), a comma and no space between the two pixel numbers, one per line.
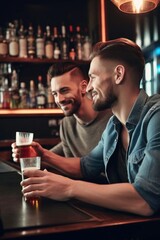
(16,94)
(62,42)
(17,41)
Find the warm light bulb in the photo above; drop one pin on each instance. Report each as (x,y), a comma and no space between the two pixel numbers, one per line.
(137,5)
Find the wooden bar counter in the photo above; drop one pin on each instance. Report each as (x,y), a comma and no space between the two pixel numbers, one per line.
(48,219)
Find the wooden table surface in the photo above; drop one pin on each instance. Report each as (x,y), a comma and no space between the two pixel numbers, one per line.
(48,219)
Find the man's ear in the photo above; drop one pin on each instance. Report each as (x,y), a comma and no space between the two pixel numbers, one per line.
(83,85)
(119,74)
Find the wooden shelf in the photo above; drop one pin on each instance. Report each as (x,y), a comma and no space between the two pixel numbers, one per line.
(9,59)
(30,112)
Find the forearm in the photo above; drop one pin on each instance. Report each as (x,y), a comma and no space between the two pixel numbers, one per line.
(69,166)
(121,197)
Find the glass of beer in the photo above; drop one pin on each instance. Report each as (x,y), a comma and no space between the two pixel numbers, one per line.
(23,142)
(30,163)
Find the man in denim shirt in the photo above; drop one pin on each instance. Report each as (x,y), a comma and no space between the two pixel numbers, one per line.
(129,150)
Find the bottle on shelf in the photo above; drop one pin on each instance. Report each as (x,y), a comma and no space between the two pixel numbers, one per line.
(32,95)
(56,44)
(48,44)
(3,45)
(41,95)
(50,98)
(78,40)
(40,50)
(22,42)
(64,43)
(72,46)
(24,97)
(5,95)
(14,91)
(87,48)
(13,42)
(31,48)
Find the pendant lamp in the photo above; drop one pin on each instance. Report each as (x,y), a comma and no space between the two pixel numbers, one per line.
(136,6)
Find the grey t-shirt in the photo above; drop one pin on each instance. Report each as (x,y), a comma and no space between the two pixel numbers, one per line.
(78,140)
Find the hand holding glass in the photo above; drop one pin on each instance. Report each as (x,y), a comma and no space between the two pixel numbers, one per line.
(23,142)
(29,163)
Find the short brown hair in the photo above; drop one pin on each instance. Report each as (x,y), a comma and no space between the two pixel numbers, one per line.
(121,49)
(59,68)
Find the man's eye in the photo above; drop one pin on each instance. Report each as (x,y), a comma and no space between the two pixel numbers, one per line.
(64,90)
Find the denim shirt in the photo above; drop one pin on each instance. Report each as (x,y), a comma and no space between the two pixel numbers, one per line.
(143,153)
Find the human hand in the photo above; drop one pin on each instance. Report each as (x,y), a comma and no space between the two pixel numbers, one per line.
(46,184)
(15,152)
(36,149)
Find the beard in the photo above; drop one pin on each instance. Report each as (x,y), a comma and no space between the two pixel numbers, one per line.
(70,106)
(105,103)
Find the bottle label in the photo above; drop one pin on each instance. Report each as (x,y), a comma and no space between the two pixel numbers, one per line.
(49,50)
(41,100)
(3,49)
(23,47)
(13,48)
(40,47)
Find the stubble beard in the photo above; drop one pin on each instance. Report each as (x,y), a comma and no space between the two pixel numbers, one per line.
(105,103)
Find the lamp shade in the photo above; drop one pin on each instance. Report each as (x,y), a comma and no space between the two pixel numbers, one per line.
(136,6)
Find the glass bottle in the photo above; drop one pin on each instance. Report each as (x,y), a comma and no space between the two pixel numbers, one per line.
(5,95)
(56,44)
(22,42)
(32,95)
(3,45)
(78,42)
(23,92)
(87,47)
(50,98)
(72,47)
(48,43)
(40,52)
(64,43)
(13,43)
(41,95)
(31,48)
(14,90)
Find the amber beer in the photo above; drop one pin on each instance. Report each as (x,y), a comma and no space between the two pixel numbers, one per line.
(23,142)
(26,151)
(30,163)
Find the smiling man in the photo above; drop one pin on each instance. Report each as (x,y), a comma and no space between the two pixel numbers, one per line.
(77,129)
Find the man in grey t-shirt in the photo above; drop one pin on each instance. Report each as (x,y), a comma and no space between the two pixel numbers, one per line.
(77,129)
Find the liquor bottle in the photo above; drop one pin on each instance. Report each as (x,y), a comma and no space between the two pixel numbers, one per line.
(32,95)
(31,48)
(50,98)
(56,44)
(13,42)
(22,42)
(14,90)
(5,95)
(48,43)
(41,95)
(40,50)
(64,43)
(72,47)
(24,97)
(3,45)
(78,40)
(87,48)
